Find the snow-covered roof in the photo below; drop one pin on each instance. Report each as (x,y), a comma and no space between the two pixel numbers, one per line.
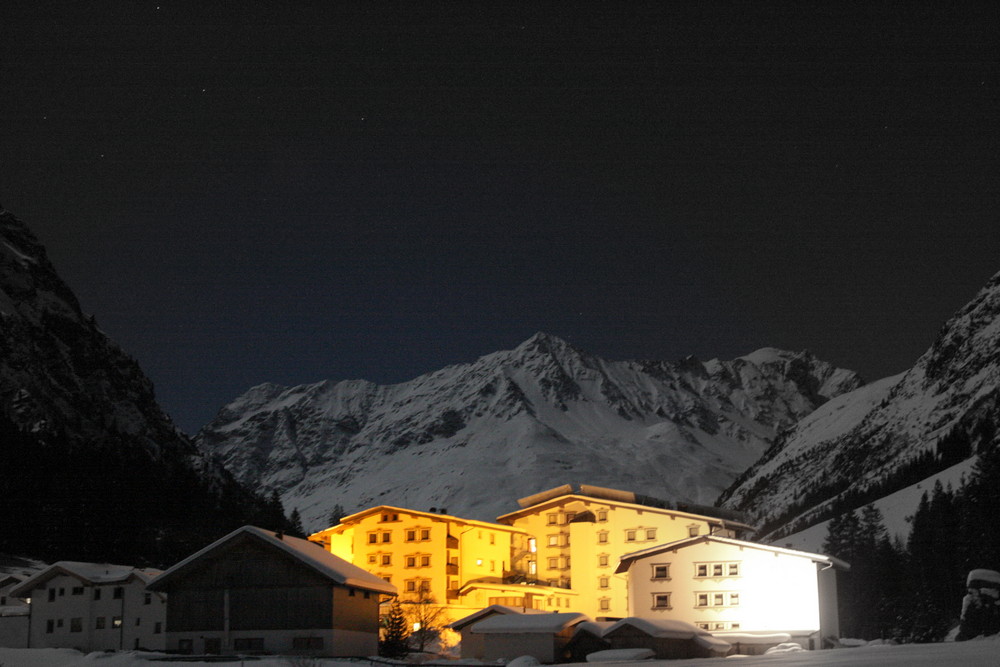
(89,573)
(669,629)
(596,628)
(629,558)
(529,623)
(309,554)
(492,610)
(991,576)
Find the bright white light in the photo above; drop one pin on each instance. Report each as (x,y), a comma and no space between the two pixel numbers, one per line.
(416,627)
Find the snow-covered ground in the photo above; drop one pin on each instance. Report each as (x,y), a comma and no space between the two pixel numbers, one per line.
(967,654)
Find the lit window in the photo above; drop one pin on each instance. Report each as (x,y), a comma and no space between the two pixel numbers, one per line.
(661,600)
(532,545)
(532,567)
(116,621)
(661,571)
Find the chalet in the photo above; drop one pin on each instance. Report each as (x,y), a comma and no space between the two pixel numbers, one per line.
(725,585)
(256,591)
(93,607)
(14,614)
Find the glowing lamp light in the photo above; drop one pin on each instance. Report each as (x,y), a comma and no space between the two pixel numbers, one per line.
(416,626)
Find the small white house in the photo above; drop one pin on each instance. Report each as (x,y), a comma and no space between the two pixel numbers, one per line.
(725,585)
(543,636)
(93,607)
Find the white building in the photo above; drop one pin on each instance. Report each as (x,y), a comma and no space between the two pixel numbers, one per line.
(93,607)
(13,614)
(730,586)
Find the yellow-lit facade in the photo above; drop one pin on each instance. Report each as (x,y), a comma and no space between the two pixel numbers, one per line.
(581,533)
(463,564)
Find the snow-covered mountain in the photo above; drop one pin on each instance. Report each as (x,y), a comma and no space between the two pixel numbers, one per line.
(90,465)
(887,435)
(474,437)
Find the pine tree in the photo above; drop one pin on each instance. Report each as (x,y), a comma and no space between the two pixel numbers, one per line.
(336,514)
(394,632)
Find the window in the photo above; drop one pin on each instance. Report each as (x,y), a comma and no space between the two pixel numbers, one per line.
(604,582)
(702,570)
(661,571)
(717,570)
(147,598)
(390,516)
(650,533)
(52,595)
(602,537)
(425,561)
(138,621)
(604,604)
(77,590)
(411,561)
(630,535)
(719,599)
(116,621)
(411,586)
(553,563)
(553,540)
(97,593)
(386,537)
(532,567)
(157,628)
(307,643)
(661,600)
(734,569)
(386,559)
(602,515)
(371,559)
(411,536)
(425,585)
(532,545)
(99,623)
(425,534)
(702,599)
(734,599)
(570,516)
(602,560)
(493,538)
(50,626)
(248,644)
(692,531)
(372,538)
(59,622)
(119,593)
(493,566)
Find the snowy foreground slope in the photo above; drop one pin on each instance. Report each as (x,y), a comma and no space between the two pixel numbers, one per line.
(472,438)
(969,654)
(859,440)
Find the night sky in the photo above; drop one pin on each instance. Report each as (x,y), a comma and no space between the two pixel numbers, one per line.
(376,190)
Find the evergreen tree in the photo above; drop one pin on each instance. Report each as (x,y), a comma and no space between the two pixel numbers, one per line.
(394,632)
(295,528)
(336,514)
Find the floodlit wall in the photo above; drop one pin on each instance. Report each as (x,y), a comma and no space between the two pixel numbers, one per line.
(582,554)
(724,587)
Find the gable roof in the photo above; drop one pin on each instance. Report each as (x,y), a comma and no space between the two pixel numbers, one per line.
(431,516)
(587,492)
(665,628)
(529,623)
(308,554)
(492,610)
(88,573)
(628,559)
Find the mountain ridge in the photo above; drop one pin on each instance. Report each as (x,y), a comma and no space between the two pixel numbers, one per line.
(543,411)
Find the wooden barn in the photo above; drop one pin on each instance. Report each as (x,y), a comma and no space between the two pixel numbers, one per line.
(472,645)
(670,640)
(256,591)
(543,636)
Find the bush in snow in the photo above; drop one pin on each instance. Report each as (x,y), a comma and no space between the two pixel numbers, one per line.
(981,605)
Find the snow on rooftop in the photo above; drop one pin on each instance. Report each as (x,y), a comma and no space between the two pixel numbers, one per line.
(492,610)
(308,553)
(660,627)
(991,576)
(529,623)
(92,573)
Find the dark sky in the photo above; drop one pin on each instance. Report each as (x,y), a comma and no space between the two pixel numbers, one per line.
(377,190)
